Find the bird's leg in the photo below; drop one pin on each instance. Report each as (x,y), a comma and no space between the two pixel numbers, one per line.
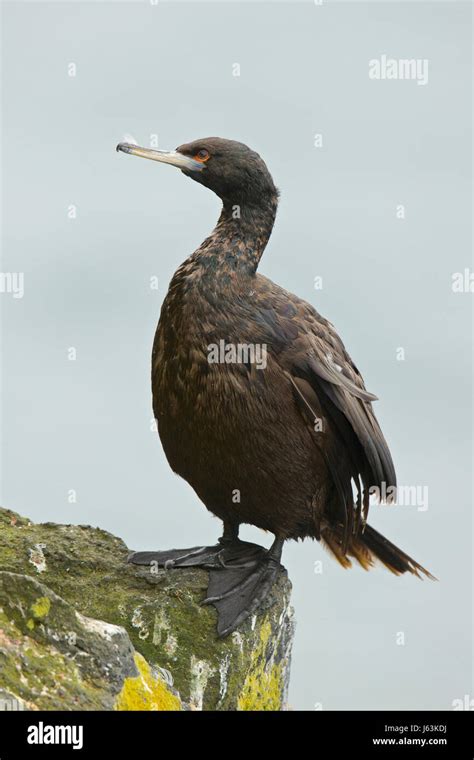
(228,548)
(243,588)
(230,534)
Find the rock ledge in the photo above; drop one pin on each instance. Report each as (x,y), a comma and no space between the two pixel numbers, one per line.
(82,630)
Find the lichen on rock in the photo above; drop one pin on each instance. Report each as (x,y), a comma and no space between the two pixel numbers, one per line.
(82,629)
(146,691)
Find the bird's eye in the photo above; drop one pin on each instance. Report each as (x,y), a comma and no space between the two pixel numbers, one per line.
(202,155)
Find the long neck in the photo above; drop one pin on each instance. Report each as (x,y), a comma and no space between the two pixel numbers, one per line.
(239,238)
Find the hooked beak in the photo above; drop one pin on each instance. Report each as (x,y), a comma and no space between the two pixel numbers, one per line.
(172,157)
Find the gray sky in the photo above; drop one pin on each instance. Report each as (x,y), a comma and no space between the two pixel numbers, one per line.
(168,70)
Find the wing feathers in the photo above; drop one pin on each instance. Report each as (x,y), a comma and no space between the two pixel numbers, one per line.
(329,372)
(354,448)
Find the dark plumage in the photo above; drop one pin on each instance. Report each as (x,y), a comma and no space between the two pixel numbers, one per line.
(298,440)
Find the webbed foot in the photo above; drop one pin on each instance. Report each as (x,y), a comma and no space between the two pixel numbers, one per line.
(241,552)
(240,591)
(241,575)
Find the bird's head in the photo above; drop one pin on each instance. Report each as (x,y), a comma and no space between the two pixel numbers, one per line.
(230,169)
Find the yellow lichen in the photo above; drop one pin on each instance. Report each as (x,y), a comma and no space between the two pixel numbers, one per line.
(41,607)
(146,691)
(262,689)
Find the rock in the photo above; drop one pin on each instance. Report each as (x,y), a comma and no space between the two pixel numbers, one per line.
(54,658)
(81,629)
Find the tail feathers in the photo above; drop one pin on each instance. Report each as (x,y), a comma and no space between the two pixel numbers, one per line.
(368,546)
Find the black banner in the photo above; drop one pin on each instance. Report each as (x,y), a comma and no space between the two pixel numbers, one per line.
(378,734)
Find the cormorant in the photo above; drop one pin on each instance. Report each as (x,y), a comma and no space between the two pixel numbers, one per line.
(289,443)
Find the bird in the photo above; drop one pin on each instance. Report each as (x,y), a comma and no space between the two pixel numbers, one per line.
(259,406)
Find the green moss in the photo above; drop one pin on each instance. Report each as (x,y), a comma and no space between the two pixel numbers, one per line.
(40,676)
(146,691)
